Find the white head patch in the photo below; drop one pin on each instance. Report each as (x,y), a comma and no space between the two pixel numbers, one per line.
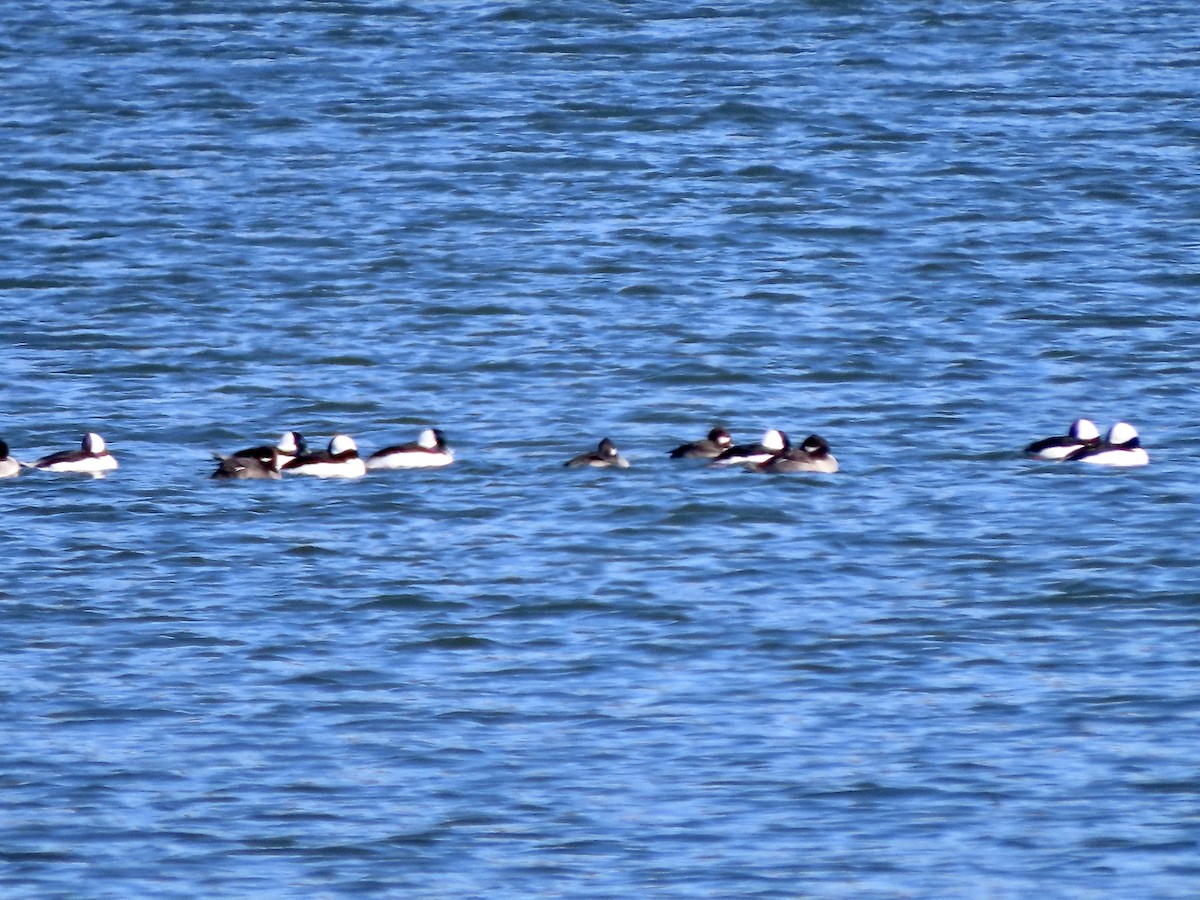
(1121,433)
(341,443)
(1084,430)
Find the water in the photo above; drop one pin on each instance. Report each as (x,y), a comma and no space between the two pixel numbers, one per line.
(929,232)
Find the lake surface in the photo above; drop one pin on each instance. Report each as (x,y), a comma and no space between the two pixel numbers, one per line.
(929,232)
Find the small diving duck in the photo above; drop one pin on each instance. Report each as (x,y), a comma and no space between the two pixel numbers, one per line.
(92,458)
(605,454)
(341,460)
(239,466)
(811,456)
(1121,447)
(718,441)
(291,444)
(429,450)
(1082,435)
(9,467)
(773,443)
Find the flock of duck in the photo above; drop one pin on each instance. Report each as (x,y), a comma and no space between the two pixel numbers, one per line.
(1082,443)
(772,453)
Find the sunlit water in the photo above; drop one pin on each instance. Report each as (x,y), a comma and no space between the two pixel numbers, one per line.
(929,232)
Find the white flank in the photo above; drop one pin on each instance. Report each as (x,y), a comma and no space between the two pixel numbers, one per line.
(347,468)
(410,459)
(90,465)
(1122,458)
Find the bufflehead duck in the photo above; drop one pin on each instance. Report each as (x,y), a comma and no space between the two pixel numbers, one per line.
(291,444)
(718,441)
(811,456)
(1121,447)
(339,461)
(429,450)
(8,466)
(92,458)
(605,454)
(239,466)
(1082,434)
(773,443)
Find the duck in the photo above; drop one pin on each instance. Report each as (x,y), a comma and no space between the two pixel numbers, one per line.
(717,442)
(91,458)
(429,450)
(245,466)
(1083,434)
(811,456)
(290,445)
(9,467)
(773,443)
(605,454)
(341,460)
(1122,447)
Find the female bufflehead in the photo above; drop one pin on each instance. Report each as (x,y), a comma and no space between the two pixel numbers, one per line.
(718,441)
(429,450)
(1082,435)
(811,456)
(605,454)
(339,461)
(239,466)
(291,444)
(8,466)
(773,443)
(1121,447)
(91,458)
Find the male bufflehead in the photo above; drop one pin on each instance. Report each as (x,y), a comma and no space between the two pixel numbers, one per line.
(291,444)
(91,458)
(240,466)
(773,443)
(339,461)
(605,454)
(1121,447)
(429,450)
(1082,435)
(8,466)
(811,456)
(718,441)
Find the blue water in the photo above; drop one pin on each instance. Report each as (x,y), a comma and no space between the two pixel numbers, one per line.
(930,232)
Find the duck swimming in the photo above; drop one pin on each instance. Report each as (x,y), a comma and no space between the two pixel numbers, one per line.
(239,466)
(1081,435)
(341,460)
(718,441)
(773,442)
(811,456)
(91,458)
(429,450)
(1122,447)
(605,454)
(290,445)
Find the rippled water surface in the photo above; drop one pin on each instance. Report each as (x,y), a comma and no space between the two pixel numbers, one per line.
(930,232)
